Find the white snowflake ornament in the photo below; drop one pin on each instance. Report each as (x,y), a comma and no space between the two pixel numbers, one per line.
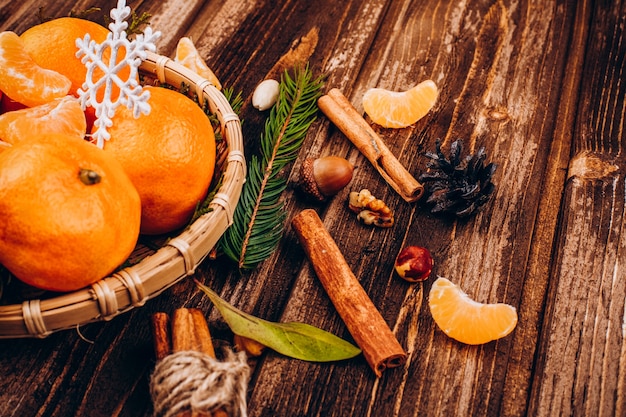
(131,93)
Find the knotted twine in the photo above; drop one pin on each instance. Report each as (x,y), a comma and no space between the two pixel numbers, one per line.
(190,380)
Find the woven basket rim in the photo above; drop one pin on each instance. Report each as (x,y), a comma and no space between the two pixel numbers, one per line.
(132,286)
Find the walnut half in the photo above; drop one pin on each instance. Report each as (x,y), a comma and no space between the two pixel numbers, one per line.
(369,209)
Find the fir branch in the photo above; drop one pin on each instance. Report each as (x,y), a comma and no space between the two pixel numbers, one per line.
(136,24)
(235,100)
(258,219)
(82,14)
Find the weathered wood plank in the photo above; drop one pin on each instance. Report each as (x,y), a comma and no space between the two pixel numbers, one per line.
(581,359)
(563,98)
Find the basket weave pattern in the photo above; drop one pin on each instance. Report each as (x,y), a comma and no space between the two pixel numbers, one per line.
(134,285)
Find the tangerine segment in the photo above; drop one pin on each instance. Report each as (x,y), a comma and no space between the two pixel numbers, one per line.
(22,79)
(400,109)
(466,320)
(69,215)
(60,116)
(188,56)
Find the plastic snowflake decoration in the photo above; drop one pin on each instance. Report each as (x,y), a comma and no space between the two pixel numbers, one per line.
(131,93)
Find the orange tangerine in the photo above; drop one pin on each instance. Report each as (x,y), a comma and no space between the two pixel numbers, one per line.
(52,45)
(69,214)
(188,56)
(169,155)
(466,320)
(400,109)
(22,79)
(63,115)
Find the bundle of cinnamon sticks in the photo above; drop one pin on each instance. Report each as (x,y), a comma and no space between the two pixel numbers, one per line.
(187,330)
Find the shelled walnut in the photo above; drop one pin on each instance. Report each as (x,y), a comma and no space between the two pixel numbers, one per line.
(369,209)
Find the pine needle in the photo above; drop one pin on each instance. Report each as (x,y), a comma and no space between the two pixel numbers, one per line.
(258,221)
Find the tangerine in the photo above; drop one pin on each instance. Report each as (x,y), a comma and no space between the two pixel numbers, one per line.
(188,56)
(69,213)
(168,154)
(466,320)
(52,45)
(400,109)
(22,79)
(60,116)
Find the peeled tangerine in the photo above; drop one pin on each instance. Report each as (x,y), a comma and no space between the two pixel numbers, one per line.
(62,115)
(400,109)
(466,320)
(22,79)
(188,56)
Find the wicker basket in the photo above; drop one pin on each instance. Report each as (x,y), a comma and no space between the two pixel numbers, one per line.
(132,286)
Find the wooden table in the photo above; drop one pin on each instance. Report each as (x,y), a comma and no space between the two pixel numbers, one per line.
(541,85)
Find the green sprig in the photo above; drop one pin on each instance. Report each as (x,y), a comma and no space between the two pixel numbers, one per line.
(258,219)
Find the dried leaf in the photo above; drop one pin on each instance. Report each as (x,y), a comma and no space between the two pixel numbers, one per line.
(299,54)
(296,340)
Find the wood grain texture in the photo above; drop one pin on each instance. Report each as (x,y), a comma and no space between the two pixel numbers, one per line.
(582,342)
(539,84)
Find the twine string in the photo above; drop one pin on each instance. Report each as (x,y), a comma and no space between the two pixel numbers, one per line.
(195,381)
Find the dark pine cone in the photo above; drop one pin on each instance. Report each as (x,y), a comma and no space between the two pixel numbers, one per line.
(457,186)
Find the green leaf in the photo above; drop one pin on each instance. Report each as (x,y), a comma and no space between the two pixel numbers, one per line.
(296,340)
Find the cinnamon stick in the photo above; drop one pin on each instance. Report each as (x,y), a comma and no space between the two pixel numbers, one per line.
(161,334)
(380,347)
(183,337)
(190,331)
(341,112)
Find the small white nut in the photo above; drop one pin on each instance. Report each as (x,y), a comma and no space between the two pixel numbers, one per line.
(265,94)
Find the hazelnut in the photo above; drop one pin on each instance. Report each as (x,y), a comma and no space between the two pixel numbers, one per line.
(414,263)
(324,177)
